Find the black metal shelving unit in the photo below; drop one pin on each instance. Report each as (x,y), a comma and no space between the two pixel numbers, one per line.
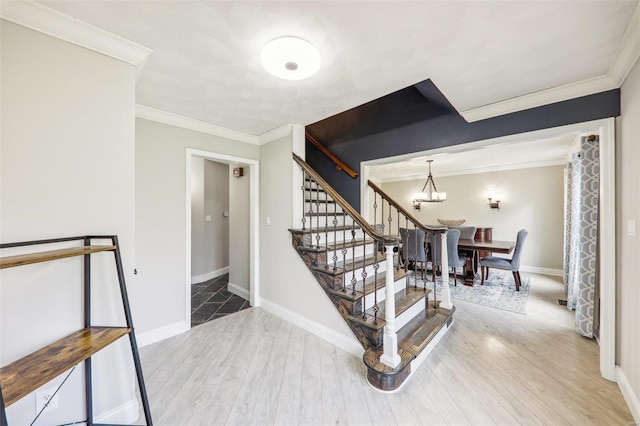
(28,373)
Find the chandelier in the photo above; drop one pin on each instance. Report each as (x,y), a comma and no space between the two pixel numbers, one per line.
(429,193)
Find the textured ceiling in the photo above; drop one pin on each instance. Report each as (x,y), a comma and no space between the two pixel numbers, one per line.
(206,65)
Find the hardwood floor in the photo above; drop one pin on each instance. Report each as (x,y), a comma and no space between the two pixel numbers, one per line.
(493,367)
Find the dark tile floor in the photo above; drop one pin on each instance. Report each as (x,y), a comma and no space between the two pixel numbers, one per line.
(211,300)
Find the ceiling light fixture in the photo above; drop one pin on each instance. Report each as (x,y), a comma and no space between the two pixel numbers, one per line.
(290,58)
(429,193)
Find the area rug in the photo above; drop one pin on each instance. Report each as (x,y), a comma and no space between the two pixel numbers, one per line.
(498,291)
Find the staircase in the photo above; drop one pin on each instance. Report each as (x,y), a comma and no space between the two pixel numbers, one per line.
(394,315)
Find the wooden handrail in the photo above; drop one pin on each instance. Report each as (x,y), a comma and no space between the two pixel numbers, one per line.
(340,165)
(362,223)
(412,219)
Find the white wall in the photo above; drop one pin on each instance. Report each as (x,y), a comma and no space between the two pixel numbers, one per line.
(239,229)
(161,221)
(209,239)
(288,287)
(67,169)
(530,198)
(628,250)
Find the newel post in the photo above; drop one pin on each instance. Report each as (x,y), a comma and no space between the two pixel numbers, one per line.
(390,355)
(445,296)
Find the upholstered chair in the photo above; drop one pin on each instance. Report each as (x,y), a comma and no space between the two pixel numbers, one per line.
(413,248)
(454,259)
(512,264)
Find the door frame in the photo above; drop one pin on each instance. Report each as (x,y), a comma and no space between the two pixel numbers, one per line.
(607,218)
(254,224)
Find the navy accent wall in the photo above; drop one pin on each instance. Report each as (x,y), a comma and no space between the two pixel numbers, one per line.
(419,118)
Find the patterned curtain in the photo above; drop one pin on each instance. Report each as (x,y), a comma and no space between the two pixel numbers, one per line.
(581,219)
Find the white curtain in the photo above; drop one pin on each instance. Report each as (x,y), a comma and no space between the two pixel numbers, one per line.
(581,227)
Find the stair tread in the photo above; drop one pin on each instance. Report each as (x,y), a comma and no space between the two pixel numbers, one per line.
(359,242)
(412,339)
(330,201)
(321,229)
(404,299)
(369,285)
(328,214)
(351,264)
(418,332)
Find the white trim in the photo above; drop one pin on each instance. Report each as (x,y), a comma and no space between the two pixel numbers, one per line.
(628,50)
(254,224)
(238,291)
(422,176)
(543,97)
(275,134)
(607,219)
(543,271)
(606,129)
(161,333)
(125,413)
(56,24)
(297,198)
(629,394)
(196,279)
(417,362)
(340,340)
(626,56)
(181,121)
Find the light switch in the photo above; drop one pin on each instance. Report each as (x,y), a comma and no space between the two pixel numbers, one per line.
(208,218)
(631,228)
(225,214)
(269,220)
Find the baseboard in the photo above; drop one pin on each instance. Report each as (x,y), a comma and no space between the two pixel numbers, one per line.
(343,342)
(238,291)
(196,279)
(126,413)
(161,333)
(630,396)
(543,271)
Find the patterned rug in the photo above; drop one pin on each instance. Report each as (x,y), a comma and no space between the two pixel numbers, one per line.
(499,291)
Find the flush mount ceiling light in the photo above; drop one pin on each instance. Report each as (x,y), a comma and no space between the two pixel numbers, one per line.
(290,58)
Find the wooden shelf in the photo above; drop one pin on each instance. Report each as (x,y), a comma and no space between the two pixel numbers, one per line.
(27,374)
(44,256)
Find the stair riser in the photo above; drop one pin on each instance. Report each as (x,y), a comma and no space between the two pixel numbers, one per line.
(337,280)
(359,251)
(322,207)
(382,293)
(333,237)
(327,221)
(409,314)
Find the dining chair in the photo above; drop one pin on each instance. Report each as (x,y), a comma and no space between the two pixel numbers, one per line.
(413,248)
(468,233)
(512,264)
(454,259)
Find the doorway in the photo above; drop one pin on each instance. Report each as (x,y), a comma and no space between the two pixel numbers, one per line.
(222,235)
(606,130)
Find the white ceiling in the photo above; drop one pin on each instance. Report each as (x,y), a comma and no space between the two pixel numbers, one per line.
(493,157)
(206,64)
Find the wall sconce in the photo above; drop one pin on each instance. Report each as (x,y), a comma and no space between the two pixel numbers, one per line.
(494,204)
(416,205)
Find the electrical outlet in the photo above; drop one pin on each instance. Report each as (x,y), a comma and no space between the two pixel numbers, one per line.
(47,400)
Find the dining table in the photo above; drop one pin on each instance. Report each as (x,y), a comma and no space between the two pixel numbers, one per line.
(475,246)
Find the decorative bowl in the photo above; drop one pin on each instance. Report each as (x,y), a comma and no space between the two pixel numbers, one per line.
(452,222)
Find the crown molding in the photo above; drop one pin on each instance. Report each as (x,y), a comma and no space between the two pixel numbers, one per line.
(164,117)
(423,176)
(626,56)
(628,50)
(543,97)
(64,27)
(275,134)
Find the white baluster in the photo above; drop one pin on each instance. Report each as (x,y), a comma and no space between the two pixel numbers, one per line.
(445,294)
(390,356)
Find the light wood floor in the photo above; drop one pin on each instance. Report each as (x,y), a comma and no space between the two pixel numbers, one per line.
(493,367)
